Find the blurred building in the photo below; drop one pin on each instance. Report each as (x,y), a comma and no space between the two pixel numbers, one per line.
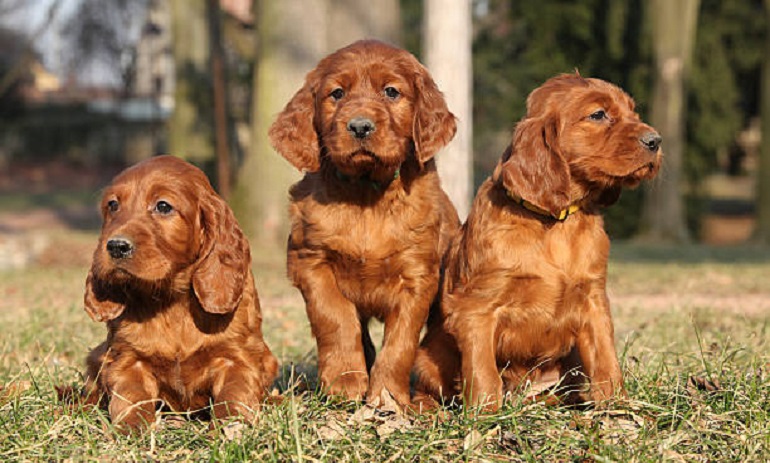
(61,118)
(38,82)
(153,77)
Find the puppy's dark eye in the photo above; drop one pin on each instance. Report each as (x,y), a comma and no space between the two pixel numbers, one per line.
(113,205)
(599,115)
(164,208)
(392,92)
(337,94)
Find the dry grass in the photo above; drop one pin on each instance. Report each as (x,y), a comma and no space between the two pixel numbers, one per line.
(692,328)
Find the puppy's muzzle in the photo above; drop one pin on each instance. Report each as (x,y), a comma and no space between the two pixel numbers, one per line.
(361,127)
(651,141)
(120,247)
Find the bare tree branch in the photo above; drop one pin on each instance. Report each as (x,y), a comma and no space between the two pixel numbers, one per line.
(11,6)
(105,31)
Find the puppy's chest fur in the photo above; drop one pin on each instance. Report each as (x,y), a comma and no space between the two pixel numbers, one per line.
(373,250)
(540,280)
(552,291)
(175,348)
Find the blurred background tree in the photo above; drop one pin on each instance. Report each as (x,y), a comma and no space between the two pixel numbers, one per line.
(268,47)
(11,65)
(287,50)
(18,52)
(447,41)
(101,37)
(518,45)
(673,31)
(191,134)
(762,232)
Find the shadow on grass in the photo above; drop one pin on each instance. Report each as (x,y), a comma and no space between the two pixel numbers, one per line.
(301,374)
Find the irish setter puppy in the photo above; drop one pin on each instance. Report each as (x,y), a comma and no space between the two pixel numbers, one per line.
(369,220)
(171,276)
(524,298)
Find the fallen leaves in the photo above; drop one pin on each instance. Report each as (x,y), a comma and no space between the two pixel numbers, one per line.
(384,415)
(474,439)
(616,426)
(697,384)
(699,387)
(233,430)
(12,391)
(332,430)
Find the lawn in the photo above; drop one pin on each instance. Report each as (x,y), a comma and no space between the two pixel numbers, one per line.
(691,328)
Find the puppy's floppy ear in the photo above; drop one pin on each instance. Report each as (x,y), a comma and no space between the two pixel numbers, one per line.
(98,300)
(434,126)
(223,266)
(293,132)
(533,168)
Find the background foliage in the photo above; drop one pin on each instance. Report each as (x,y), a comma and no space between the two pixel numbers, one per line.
(518,45)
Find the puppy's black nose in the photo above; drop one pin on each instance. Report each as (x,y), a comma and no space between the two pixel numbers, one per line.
(120,247)
(360,127)
(651,141)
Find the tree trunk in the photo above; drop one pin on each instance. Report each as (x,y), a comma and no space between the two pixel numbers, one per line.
(218,83)
(350,20)
(287,50)
(674,25)
(190,135)
(762,231)
(447,52)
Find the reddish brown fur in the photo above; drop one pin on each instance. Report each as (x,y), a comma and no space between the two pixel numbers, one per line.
(524,295)
(182,312)
(364,241)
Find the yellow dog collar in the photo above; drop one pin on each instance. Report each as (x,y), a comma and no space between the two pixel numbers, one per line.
(561,216)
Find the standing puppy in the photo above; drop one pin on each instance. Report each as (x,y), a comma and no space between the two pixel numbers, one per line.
(172,278)
(524,295)
(369,220)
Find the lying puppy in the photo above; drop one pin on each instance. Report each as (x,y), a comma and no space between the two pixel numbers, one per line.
(524,295)
(369,219)
(171,277)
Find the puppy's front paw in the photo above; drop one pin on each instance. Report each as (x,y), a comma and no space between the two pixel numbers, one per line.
(350,385)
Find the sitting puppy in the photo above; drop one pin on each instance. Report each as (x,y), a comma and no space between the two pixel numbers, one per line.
(171,277)
(369,220)
(524,295)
